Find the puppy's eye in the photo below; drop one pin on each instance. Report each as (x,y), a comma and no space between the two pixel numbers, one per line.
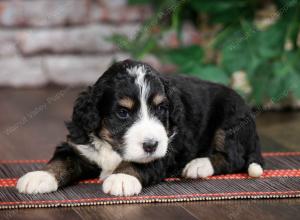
(123,113)
(162,109)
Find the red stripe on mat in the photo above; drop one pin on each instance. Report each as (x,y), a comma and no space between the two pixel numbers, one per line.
(274,154)
(210,195)
(267,154)
(22,161)
(11,182)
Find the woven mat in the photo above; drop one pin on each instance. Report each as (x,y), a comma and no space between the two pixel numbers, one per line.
(281,179)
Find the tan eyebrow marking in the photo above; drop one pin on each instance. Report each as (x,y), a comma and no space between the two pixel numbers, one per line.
(126,102)
(158,99)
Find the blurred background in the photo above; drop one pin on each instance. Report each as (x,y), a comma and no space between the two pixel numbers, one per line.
(51,49)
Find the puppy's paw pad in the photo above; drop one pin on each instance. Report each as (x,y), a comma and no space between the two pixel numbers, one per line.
(37,182)
(198,168)
(121,185)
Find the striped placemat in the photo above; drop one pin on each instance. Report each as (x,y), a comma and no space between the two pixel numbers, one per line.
(281,179)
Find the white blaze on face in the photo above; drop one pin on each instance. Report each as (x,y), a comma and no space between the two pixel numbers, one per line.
(147,127)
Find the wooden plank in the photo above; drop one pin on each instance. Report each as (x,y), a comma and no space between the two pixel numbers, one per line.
(249,209)
(41,214)
(135,212)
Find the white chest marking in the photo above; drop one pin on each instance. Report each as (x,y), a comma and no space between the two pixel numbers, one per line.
(102,154)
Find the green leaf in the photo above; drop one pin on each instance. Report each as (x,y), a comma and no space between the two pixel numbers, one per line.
(138,2)
(217,6)
(211,73)
(181,55)
(259,82)
(285,4)
(295,86)
(278,89)
(248,47)
(270,43)
(121,41)
(289,69)
(223,11)
(240,57)
(148,46)
(185,58)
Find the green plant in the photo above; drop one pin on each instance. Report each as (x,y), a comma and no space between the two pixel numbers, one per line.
(268,55)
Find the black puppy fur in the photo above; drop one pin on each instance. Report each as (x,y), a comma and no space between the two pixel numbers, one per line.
(203,119)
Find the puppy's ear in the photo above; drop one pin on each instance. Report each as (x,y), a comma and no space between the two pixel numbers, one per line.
(86,116)
(176,110)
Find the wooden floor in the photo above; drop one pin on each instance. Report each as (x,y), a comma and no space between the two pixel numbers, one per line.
(32,123)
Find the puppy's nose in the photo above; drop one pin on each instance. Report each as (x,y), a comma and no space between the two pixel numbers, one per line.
(150,146)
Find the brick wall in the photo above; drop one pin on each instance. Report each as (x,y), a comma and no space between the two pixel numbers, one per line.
(62,41)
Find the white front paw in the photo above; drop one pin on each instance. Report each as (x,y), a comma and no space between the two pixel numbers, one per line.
(122,185)
(37,182)
(198,168)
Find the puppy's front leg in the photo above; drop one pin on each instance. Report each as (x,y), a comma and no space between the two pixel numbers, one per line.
(34,182)
(128,178)
(125,181)
(65,167)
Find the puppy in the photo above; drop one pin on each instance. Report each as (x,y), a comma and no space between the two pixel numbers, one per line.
(134,127)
